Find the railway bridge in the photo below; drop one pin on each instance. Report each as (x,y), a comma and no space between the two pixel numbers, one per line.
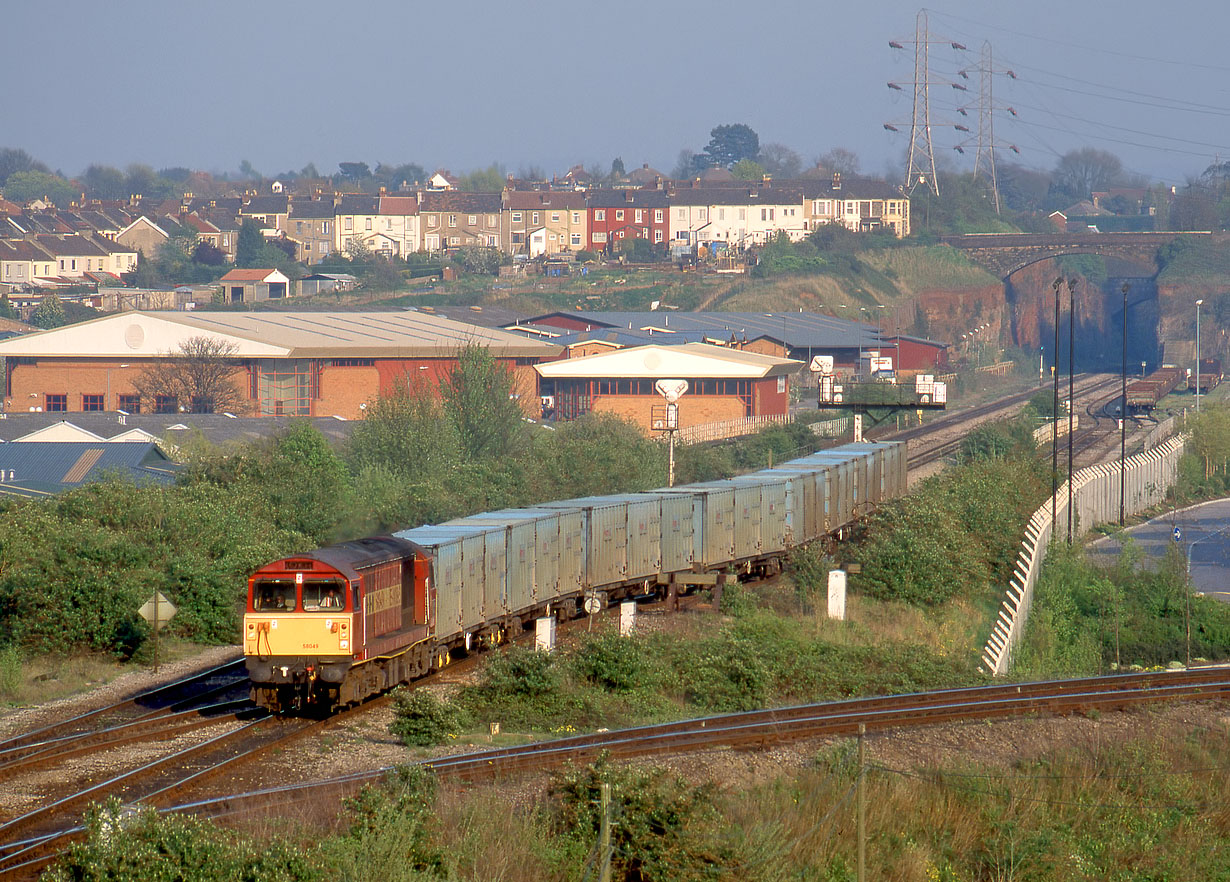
(1006,253)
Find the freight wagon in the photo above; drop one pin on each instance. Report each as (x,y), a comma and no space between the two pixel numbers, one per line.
(1143,395)
(1210,375)
(330,627)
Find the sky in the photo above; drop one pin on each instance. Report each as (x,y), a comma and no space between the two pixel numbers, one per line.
(549,84)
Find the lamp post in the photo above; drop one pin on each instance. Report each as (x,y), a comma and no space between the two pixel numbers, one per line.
(1123,411)
(1055,414)
(1198,302)
(1071,392)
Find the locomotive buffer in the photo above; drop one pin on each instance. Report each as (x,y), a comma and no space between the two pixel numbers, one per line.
(877,398)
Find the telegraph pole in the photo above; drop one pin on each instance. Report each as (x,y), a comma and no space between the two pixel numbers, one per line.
(1055,413)
(1071,398)
(862,802)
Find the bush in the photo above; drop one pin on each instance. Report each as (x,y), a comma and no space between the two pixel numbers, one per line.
(421,719)
(611,662)
(520,672)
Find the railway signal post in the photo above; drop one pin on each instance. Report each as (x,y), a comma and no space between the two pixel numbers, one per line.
(668,420)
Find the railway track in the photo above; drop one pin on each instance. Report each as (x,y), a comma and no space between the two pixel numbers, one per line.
(762,729)
(942,438)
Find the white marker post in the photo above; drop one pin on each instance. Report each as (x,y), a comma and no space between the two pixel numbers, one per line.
(671,390)
(627,618)
(837,595)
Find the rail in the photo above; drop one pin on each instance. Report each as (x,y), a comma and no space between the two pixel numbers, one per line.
(1095,496)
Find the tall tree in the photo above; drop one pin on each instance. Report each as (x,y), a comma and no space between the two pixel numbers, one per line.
(685,165)
(479,400)
(747,170)
(200,375)
(840,160)
(1079,172)
(780,161)
(251,243)
(14,160)
(49,313)
(354,171)
(730,143)
(483,180)
(104,182)
(26,186)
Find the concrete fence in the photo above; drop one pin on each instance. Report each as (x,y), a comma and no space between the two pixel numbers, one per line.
(1095,497)
(727,429)
(1045,434)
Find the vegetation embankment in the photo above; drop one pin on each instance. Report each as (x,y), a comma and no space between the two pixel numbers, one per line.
(1090,619)
(1127,807)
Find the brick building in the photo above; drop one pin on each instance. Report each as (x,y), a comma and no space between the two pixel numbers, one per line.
(294,364)
(723,383)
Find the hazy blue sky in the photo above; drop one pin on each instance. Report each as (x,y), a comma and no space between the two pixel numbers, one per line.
(550,83)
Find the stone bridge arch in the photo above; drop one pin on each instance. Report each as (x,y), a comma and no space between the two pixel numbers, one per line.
(1005,254)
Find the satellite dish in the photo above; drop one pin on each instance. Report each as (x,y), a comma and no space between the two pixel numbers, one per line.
(671,390)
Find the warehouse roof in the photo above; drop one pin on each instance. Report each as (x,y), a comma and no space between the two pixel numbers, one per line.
(796,330)
(656,361)
(275,335)
(40,469)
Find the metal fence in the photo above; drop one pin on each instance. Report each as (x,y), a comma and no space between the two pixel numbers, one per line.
(1095,495)
(727,429)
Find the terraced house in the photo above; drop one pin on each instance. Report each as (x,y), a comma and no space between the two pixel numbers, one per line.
(451,220)
(616,215)
(859,204)
(543,222)
(310,226)
(735,216)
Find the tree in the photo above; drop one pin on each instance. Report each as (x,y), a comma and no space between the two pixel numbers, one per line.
(1079,172)
(685,165)
(104,182)
(478,259)
(479,400)
(26,186)
(251,243)
(484,180)
(841,161)
(617,168)
(200,375)
(354,171)
(780,161)
(208,255)
(14,160)
(1194,208)
(49,313)
(248,172)
(730,143)
(747,170)
(6,308)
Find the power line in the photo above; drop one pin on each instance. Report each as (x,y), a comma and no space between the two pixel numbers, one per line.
(1131,56)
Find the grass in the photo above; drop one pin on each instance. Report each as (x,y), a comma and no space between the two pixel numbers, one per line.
(928,268)
(37,679)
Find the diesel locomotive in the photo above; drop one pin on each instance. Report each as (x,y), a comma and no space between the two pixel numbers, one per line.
(330,627)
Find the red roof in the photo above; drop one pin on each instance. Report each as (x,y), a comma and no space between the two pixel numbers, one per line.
(248,275)
(399,205)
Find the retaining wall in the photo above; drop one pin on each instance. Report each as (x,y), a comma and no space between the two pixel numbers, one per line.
(1095,500)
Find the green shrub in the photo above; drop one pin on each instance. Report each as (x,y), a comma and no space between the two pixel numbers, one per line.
(520,672)
(10,672)
(421,719)
(614,663)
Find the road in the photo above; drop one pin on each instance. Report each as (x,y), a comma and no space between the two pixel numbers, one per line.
(1204,534)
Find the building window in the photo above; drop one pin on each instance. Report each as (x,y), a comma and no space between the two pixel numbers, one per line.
(130,403)
(576,217)
(619,214)
(576,239)
(534,218)
(452,220)
(454,240)
(599,237)
(354,362)
(721,214)
(555,217)
(657,236)
(348,223)
(166,404)
(657,215)
(764,214)
(600,214)
(742,214)
(92,402)
(516,216)
(640,216)
(53,403)
(324,228)
(682,214)
(473,220)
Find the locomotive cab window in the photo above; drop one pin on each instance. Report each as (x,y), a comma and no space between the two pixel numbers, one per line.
(323,596)
(274,595)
